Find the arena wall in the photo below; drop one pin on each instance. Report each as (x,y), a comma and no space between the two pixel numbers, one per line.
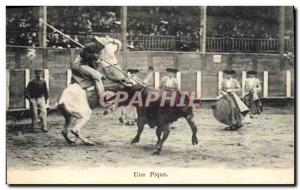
(198,71)
(17,58)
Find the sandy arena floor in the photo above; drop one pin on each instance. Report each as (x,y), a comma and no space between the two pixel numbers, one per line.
(267,143)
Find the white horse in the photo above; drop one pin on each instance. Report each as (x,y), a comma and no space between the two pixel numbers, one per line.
(76,105)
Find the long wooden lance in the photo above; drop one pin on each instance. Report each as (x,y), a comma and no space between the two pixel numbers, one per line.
(56,30)
(82,46)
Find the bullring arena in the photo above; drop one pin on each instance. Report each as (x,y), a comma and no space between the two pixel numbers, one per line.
(268,142)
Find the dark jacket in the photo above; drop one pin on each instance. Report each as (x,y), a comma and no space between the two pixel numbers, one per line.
(36,88)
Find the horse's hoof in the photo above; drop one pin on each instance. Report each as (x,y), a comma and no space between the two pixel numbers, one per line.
(45,130)
(69,141)
(157,151)
(89,143)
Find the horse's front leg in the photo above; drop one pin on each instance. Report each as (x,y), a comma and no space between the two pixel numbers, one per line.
(78,125)
(191,122)
(68,121)
(165,131)
(64,132)
(140,124)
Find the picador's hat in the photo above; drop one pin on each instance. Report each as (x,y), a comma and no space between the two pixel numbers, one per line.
(251,72)
(101,40)
(229,72)
(171,70)
(111,14)
(132,71)
(38,71)
(150,68)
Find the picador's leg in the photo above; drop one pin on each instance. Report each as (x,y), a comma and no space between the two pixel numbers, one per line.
(140,125)
(165,131)
(97,76)
(99,87)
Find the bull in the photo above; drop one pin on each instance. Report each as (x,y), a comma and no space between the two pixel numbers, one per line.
(76,103)
(160,113)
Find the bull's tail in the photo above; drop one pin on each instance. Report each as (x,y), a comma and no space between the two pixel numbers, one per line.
(54,107)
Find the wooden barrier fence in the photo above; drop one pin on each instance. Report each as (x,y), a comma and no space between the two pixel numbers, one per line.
(206,84)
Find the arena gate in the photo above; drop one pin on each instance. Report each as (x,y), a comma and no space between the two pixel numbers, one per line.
(198,72)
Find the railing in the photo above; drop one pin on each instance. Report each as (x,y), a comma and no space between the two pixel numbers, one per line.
(289,45)
(84,38)
(246,45)
(143,42)
(213,44)
(155,43)
(171,43)
(242,45)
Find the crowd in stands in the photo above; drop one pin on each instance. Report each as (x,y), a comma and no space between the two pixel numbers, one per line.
(182,23)
(21,27)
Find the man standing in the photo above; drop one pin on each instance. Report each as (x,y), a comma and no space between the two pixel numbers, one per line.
(229,108)
(252,93)
(170,81)
(129,114)
(37,94)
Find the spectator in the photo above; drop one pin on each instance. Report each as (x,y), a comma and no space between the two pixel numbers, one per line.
(141,20)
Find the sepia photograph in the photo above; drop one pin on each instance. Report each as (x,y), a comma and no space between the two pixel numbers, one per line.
(150,95)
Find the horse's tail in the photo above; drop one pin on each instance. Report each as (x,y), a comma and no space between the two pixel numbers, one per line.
(57,105)
(54,106)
